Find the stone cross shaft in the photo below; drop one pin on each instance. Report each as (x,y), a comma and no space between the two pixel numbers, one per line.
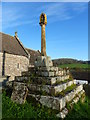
(43,40)
(43,22)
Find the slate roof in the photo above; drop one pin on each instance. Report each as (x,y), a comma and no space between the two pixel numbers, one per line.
(33,55)
(12,45)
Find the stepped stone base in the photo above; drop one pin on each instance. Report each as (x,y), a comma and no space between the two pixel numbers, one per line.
(42,80)
(51,86)
(50,89)
(59,102)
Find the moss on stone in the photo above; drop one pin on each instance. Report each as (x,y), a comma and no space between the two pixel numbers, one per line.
(61,82)
(68,89)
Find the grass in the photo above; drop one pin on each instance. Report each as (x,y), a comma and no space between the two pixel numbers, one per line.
(75,65)
(81,111)
(70,88)
(29,110)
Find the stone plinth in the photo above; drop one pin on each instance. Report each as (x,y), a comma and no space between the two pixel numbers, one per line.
(49,85)
(43,61)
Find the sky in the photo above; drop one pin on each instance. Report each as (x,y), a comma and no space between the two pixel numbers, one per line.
(66,29)
(45,0)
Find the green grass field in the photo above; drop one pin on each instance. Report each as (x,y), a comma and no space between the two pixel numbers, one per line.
(29,110)
(75,65)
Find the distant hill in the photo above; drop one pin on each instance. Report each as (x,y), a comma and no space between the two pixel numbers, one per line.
(68,61)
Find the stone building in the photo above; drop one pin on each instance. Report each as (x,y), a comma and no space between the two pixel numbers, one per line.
(33,55)
(14,58)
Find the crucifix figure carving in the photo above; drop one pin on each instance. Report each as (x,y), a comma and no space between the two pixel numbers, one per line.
(43,22)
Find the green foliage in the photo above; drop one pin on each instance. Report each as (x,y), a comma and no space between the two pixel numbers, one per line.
(70,88)
(80,111)
(27,110)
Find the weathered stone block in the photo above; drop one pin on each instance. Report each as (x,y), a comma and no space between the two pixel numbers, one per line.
(53,80)
(39,88)
(75,100)
(63,113)
(49,101)
(79,88)
(45,74)
(62,103)
(43,61)
(81,93)
(33,87)
(22,78)
(54,69)
(19,93)
(56,73)
(74,81)
(61,87)
(55,104)
(70,96)
(74,92)
(46,88)
(9,84)
(62,78)
(70,83)
(49,74)
(47,68)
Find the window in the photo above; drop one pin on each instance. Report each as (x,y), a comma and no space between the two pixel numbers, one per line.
(18,65)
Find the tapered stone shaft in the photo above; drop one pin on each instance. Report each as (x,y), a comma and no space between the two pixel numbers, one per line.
(43,40)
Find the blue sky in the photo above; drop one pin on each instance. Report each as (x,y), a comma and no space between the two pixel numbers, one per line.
(66,30)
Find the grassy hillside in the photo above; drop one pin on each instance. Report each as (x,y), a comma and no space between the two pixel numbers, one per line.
(68,61)
(79,71)
(30,110)
(75,65)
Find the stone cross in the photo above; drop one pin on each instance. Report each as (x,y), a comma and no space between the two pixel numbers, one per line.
(15,34)
(43,22)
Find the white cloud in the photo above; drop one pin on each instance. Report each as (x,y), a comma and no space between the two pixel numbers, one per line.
(61,11)
(13,16)
(79,7)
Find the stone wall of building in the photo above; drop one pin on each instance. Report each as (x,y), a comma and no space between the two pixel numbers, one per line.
(33,55)
(1,54)
(14,65)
